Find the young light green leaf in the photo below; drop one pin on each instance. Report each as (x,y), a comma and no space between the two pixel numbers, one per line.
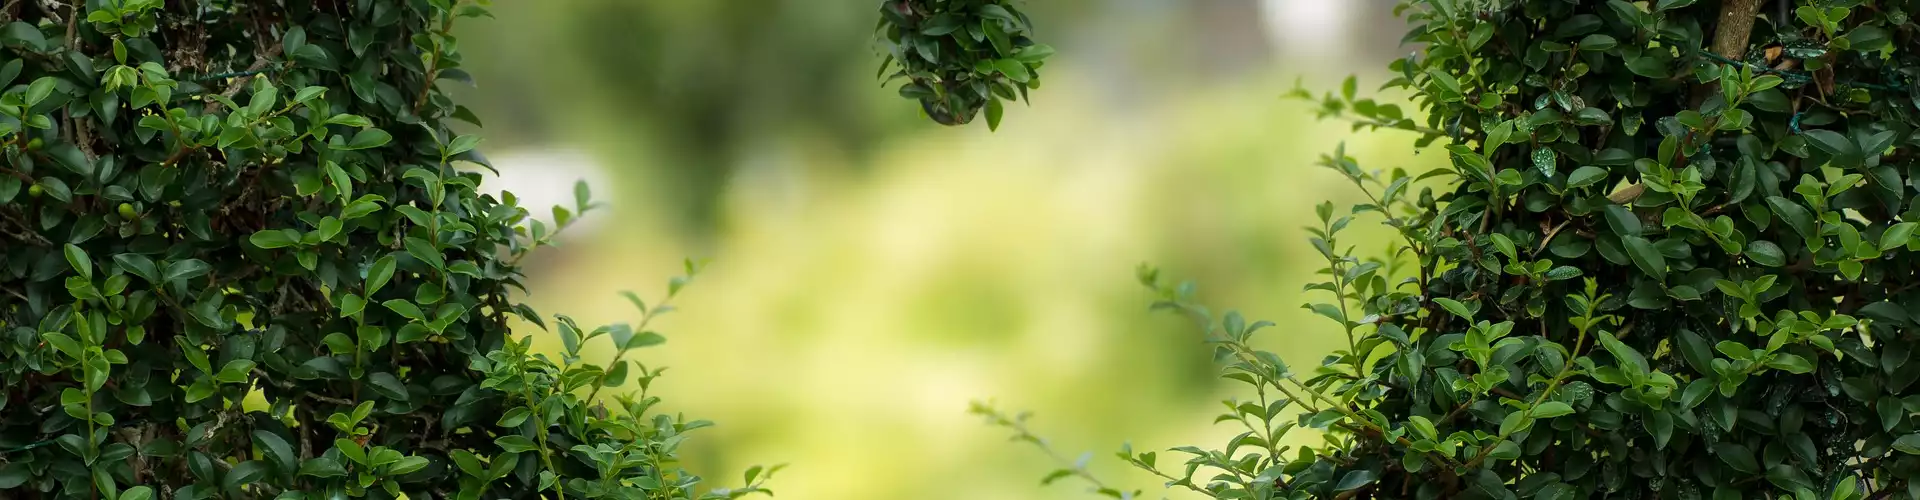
(1552,409)
(379,274)
(1455,307)
(81,263)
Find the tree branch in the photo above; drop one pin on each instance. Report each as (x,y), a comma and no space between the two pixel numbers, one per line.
(241,82)
(51,9)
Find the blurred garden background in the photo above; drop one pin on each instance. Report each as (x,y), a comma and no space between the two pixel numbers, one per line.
(872,272)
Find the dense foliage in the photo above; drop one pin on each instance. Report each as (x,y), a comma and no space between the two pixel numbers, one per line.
(237,260)
(959,56)
(1674,257)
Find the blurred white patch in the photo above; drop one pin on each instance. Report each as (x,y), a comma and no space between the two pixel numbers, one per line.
(542,178)
(1308,28)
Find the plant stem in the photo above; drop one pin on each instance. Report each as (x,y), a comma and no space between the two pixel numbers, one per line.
(1021,433)
(1244,353)
(433,64)
(644,321)
(546,456)
(1736,28)
(1565,370)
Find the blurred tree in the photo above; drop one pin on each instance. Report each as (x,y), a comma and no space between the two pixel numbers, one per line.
(695,89)
(701,82)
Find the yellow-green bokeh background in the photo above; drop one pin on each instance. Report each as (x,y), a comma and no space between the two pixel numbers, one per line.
(872,274)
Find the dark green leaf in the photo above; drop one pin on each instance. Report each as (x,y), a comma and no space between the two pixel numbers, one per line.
(1355,480)
(1645,256)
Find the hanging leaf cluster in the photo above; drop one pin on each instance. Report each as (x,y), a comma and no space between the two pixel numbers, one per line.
(957,57)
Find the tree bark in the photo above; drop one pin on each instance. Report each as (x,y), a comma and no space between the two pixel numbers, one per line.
(1736,28)
(1730,41)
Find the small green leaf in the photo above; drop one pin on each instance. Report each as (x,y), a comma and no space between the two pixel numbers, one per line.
(995,110)
(1497,137)
(617,376)
(1546,161)
(1797,216)
(1445,81)
(1626,355)
(1506,450)
(235,371)
(405,308)
(379,274)
(1766,253)
(1585,176)
(1354,480)
(514,417)
(351,450)
(1035,53)
(275,448)
(275,238)
(1455,307)
(582,196)
(1897,236)
(138,265)
(1664,5)
(39,90)
(1622,221)
(1598,42)
(1014,69)
(356,121)
(468,463)
(308,93)
(516,444)
(421,249)
(646,339)
(1552,409)
(1696,393)
(1833,144)
(1515,422)
(408,465)
(263,101)
(463,144)
(1790,363)
(1645,256)
(1908,444)
(368,138)
(569,337)
(63,343)
(80,261)
(389,386)
(1737,456)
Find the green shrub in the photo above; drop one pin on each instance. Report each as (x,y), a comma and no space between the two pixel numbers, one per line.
(206,202)
(959,56)
(1674,257)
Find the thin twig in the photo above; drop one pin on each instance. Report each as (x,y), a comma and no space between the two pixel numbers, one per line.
(27,231)
(1736,28)
(51,9)
(17,174)
(241,83)
(1550,235)
(73,32)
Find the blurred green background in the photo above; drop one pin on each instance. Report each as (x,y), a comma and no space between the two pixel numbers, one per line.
(872,273)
